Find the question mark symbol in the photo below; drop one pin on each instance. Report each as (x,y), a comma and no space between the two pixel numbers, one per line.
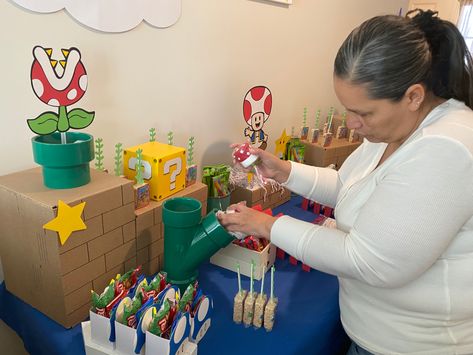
(167,167)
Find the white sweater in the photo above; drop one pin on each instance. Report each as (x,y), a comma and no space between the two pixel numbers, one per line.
(403,247)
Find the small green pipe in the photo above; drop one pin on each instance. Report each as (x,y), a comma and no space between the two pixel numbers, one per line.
(188,239)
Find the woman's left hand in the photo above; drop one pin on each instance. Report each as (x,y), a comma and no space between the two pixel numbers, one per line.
(248,221)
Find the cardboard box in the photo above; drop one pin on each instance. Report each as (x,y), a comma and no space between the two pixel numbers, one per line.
(50,277)
(258,196)
(336,153)
(232,255)
(54,278)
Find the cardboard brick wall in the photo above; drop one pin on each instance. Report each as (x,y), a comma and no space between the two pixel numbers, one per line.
(57,279)
(258,196)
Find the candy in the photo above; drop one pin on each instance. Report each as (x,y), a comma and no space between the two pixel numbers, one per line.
(259,310)
(243,156)
(269,313)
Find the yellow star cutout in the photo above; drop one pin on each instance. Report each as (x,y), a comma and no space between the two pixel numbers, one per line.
(67,221)
(281,144)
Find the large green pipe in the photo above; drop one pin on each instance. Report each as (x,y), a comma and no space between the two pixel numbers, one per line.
(189,239)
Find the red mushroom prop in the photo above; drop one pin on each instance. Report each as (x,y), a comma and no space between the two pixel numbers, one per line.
(243,155)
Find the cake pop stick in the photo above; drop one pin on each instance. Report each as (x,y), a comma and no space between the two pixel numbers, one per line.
(259,304)
(249,306)
(270,309)
(238,300)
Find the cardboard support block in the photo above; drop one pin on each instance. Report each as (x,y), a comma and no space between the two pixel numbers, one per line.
(120,255)
(105,243)
(142,256)
(129,231)
(144,219)
(156,249)
(127,193)
(232,254)
(78,298)
(74,258)
(105,201)
(81,276)
(94,229)
(118,217)
(149,235)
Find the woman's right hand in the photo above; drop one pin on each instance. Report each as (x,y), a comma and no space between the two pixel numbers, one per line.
(270,166)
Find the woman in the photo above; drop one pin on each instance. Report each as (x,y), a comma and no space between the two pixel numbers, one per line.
(403,246)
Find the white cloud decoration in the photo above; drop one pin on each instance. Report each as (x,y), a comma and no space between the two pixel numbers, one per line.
(112,15)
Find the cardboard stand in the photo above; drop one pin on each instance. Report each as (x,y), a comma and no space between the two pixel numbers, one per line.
(200,323)
(100,329)
(178,342)
(233,254)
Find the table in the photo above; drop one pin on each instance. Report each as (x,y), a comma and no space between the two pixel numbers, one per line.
(307,318)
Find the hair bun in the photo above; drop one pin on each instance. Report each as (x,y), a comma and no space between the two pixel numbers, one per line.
(429,23)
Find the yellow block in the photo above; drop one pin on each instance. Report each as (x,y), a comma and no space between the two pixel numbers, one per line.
(164,168)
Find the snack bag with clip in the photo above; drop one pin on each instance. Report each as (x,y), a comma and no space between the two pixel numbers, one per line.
(159,322)
(128,280)
(105,297)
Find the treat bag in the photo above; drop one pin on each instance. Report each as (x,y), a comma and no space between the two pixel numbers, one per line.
(249,308)
(351,136)
(314,135)
(238,302)
(270,313)
(327,139)
(259,310)
(304,133)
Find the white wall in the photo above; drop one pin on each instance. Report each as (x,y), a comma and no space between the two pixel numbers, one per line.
(447,9)
(189,78)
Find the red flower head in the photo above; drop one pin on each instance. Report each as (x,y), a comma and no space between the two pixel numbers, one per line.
(54,89)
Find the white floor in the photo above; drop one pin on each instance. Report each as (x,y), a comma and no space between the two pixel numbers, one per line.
(11,342)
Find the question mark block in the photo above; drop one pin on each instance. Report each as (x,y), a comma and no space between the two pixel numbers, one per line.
(164,168)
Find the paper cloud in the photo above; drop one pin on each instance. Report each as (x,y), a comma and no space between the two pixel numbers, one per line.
(112,15)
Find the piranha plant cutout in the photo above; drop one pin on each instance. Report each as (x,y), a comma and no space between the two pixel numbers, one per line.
(257,106)
(65,156)
(59,86)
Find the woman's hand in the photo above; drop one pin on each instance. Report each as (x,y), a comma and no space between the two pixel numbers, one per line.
(247,220)
(269,165)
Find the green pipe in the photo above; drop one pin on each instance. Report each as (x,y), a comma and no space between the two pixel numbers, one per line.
(188,239)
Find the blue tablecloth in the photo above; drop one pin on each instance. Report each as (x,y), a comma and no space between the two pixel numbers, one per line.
(307,317)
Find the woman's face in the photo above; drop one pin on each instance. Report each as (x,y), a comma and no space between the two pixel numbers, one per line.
(378,120)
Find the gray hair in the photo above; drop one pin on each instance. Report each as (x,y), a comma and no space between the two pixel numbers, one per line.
(390,53)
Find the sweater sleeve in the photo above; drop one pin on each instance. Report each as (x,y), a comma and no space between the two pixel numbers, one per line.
(316,184)
(418,206)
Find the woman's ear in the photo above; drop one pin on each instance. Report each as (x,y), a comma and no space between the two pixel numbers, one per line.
(415,96)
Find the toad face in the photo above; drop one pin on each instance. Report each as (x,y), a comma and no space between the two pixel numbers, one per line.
(257,121)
